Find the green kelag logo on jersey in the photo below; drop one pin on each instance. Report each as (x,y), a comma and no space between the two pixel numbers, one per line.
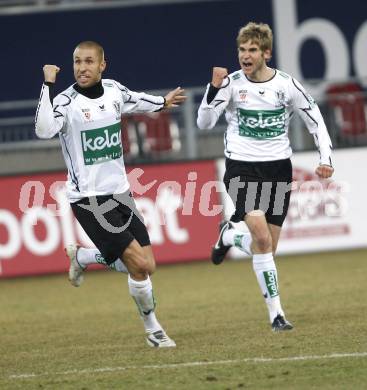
(261,124)
(100,145)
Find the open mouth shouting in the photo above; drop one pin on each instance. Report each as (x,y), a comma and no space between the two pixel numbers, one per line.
(83,78)
(247,66)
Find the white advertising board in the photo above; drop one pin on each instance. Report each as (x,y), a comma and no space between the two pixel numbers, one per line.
(323,214)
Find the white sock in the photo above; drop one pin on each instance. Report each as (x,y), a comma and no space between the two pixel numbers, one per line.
(267,277)
(142,293)
(239,239)
(86,256)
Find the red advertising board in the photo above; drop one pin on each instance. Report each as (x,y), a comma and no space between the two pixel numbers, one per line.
(179,202)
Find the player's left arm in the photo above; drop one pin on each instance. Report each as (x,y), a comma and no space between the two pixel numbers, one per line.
(311,115)
(143,102)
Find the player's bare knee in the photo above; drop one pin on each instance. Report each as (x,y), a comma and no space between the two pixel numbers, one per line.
(143,265)
(151,267)
(134,259)
(148,254)
(150,263)
(138,269)
(264,242)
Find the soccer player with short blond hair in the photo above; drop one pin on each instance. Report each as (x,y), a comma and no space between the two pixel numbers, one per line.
(259,102)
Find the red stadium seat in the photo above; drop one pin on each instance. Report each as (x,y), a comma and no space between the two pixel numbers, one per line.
(154,133)
(129,137)
(348,103)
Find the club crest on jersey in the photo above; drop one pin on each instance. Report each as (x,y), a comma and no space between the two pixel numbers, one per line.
(117,107)
(280,95)
(243,94)
(86,112)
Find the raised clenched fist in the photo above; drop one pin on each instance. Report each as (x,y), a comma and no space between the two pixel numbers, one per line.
(324,171)
(50,72)
(219,74)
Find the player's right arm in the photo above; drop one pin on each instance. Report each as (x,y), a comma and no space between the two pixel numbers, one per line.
(215,100)
(50,117)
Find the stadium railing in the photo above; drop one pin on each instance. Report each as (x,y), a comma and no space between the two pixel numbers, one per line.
(174,135)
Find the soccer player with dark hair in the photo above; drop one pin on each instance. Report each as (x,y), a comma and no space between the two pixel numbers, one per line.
(87,118)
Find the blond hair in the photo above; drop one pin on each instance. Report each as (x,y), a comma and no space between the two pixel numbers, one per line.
(258,33)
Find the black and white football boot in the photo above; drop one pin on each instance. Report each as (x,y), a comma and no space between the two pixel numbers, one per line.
(280,324)
(220,250)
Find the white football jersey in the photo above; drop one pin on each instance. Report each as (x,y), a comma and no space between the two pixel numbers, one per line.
(90,135)
(258,115)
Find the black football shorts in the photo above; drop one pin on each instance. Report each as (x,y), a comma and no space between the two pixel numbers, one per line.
(112,222)
(264,185)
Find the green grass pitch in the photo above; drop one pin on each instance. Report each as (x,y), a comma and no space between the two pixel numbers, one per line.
(55,336)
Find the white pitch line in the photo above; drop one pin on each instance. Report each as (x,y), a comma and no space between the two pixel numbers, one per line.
(195,364)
